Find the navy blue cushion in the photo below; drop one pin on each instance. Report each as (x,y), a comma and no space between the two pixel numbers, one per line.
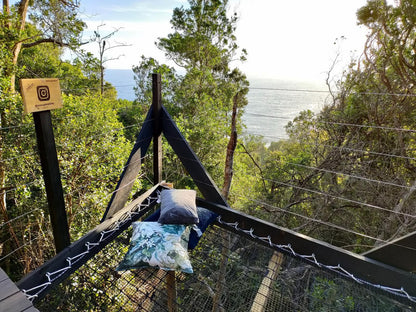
(205,216)
(178,207)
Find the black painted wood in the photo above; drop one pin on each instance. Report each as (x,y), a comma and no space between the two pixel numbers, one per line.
(122,192)
(38,276)
(190,161)
(400,253)
(157,128)
(52,177)
(361,267)
(131,168)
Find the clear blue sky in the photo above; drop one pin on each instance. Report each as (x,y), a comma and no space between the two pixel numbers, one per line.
(284,39)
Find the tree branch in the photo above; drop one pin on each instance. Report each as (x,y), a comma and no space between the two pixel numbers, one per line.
(256,164)
(43,40)
(48,40)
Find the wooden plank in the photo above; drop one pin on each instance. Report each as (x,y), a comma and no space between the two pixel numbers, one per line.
(7,288)
(399,253)
(11,298)
(31,309)
(16,302)
(367,269)
(38,276)
(3,275)
(52,178)
(139,150)
(262,296)
(190,161)
(171,291)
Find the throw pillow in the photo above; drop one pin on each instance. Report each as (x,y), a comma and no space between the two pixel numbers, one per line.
(178,207)
(158,245)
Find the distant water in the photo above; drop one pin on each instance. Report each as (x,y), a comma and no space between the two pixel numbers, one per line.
(123,80)
(271,103)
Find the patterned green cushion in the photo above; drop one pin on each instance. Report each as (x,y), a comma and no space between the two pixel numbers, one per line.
(158,245)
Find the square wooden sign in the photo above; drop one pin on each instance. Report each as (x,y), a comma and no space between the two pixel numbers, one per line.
(40,94)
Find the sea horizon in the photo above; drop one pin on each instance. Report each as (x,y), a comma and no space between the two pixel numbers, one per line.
(272,103)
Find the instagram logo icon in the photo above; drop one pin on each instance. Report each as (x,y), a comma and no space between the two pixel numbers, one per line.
(43,93)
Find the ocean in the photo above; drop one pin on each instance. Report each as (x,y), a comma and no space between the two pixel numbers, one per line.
(271,103)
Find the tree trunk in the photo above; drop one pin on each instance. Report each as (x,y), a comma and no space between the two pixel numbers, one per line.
(22,13)
(6,11)
(232,143)
(387,232)
(228,176)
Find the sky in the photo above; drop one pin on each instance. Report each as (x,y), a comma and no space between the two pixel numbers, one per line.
(285,39)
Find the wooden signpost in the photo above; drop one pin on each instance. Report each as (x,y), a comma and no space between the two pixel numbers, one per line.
(40,94)
(39,97)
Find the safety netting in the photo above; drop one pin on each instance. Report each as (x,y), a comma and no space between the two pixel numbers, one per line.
(232,272)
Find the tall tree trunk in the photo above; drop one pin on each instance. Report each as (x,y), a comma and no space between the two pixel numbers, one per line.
(22,13)
(232,143)
(6,11)
(228,176)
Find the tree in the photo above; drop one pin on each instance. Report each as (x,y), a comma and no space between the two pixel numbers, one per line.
(55,22)
(203,43)
(239,101)
(77,77)
(84,131)
(348,173)
(203,37)
(378,92)
(201,100)
(104,46)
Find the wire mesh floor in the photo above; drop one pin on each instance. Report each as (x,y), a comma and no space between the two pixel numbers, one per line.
(248,275)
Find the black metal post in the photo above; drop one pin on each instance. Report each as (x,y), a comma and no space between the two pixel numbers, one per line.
(157,130)
(52,178)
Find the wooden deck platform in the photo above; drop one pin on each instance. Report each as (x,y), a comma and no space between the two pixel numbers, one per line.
(11,298)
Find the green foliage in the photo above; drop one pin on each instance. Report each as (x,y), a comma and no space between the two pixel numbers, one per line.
(78,77)
(203,36)
(92,152)
(57,20)
(7,38)
(352,165)
(379,95)
(326,296)
(143,78)
(82,76)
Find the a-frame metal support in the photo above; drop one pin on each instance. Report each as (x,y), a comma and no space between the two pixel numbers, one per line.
(400,253)
(190,161)
(132,168)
